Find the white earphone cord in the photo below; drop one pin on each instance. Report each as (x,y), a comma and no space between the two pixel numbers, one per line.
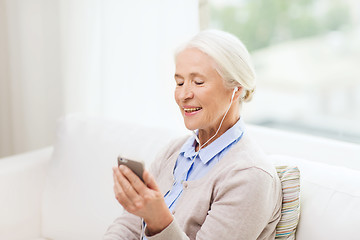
(222,120)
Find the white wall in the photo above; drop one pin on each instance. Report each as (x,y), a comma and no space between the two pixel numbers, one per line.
(112,58)
(5,137)
(144,79)
(30,80)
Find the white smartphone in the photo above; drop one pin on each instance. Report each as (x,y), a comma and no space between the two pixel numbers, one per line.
(136,166)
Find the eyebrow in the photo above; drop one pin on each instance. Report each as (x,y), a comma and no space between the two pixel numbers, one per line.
(193,74)
(177,75)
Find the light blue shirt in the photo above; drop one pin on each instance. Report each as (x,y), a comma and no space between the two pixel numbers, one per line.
(187,170)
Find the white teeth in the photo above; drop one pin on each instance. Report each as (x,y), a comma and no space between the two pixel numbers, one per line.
(192,109)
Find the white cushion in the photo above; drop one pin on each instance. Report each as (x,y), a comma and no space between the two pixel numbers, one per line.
(330,200)
(21,184)
(317,149)
(78,202)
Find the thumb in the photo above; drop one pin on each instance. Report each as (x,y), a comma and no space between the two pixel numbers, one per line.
(150,181)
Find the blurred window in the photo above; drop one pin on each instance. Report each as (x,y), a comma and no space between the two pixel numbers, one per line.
(307,58)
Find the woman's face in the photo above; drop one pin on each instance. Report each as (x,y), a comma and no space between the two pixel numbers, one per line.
(200,92)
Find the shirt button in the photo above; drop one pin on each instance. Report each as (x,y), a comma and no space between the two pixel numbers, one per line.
(173,212)
(185,184)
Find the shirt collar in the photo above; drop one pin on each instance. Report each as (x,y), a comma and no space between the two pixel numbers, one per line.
(206,154)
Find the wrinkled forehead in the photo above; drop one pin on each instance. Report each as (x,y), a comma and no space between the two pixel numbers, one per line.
(192,56)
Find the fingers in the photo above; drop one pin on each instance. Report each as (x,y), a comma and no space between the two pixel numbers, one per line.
(134,180)
(119,193)
(150,181)
(125,193)
(130,191)
(137,198)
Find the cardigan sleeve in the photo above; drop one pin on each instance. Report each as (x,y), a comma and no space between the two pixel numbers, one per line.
(125,227)
(241,208)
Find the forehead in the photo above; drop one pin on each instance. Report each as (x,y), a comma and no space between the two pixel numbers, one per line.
(192,59)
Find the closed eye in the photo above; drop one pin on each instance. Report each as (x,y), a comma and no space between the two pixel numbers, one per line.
(199,83)
(179,82)
(179,79)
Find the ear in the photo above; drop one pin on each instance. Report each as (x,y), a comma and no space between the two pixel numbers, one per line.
(238,94)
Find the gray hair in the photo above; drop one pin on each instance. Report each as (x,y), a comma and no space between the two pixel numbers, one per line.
(232,59)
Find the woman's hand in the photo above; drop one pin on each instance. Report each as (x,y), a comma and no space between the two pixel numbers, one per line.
(145,201)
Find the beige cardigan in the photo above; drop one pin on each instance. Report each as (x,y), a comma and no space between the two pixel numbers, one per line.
(239,198)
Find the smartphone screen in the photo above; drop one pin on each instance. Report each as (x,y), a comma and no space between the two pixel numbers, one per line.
(136,166)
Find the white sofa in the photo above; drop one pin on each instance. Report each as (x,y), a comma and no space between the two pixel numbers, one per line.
(65,192)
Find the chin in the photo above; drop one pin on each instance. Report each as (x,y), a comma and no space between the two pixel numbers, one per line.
(190,126)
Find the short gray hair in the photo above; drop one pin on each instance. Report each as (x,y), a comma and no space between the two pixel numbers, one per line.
(232,59)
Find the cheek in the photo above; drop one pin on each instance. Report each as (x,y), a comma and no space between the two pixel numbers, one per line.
(216,108)
(176,97)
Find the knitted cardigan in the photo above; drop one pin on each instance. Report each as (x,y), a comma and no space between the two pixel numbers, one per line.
(239,198)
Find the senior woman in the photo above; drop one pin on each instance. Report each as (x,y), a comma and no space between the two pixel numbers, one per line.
(215,184)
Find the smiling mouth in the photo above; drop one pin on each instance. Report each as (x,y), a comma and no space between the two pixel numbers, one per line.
(191,110)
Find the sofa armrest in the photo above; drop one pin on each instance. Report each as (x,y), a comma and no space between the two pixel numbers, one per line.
(21,184)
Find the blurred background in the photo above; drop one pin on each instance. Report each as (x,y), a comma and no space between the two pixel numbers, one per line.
(307,57)
(114,58)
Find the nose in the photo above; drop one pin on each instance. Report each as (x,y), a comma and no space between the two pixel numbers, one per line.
(186,92)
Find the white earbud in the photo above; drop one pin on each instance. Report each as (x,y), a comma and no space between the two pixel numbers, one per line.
(235,90)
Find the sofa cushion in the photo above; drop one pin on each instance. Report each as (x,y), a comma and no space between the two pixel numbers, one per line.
(317,149)
(78,201)
(21,184)
(330,200)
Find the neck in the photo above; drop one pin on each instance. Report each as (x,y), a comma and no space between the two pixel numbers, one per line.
(208,136)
